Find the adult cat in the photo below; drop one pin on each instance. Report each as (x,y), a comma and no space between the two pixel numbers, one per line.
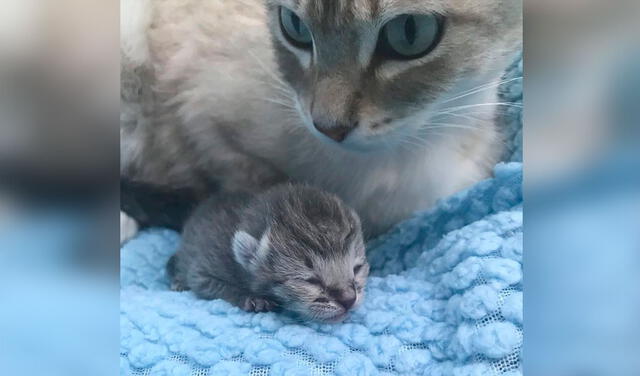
(390,104)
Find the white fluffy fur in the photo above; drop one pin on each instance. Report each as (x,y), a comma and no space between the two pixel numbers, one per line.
(135,18)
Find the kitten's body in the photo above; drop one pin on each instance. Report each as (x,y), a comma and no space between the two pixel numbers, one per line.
(220,110)
(286,247)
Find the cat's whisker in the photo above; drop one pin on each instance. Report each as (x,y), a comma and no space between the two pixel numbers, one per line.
(449,125)
(288,92)
(480,88)
(416,146)
(285,98)
(426,133)
(428,130)
(497,104)
(282,92)
(423,138)
(278,98)
(267,70)
(285,104)
(283,89)
(463,116)
(295,129)
(483,111)
(419,140)
(487,111)
(410,145)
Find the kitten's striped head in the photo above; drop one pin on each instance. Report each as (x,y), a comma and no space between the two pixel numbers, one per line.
(311,256)
(366,73)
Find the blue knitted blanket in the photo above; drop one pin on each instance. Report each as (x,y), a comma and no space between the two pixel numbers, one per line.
(444,298)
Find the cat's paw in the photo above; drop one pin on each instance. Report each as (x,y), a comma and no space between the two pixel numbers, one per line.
(256,304)
(128,227)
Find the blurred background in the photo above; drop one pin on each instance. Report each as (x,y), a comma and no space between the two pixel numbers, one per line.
(582,187)
(59,167)
(59,211)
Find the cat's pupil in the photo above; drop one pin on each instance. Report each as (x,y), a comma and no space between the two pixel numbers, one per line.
(296,23)
(410,29)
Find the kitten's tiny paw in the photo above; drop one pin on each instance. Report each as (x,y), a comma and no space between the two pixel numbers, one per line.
(256,304)
(177,286)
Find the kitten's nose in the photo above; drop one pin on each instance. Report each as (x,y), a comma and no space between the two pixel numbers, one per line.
(347,299)
(336,132)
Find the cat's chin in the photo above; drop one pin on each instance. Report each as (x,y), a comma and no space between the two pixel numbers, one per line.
(353,147)
(356,144)
(370,146)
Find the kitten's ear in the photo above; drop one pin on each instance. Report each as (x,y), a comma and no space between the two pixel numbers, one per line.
(247,250)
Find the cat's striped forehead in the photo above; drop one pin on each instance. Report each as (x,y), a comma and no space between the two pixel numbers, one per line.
(341,10)
(337,12)
(334,12)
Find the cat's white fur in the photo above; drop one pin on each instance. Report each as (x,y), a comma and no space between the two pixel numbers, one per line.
(233,83)
(135,18)
(128,227)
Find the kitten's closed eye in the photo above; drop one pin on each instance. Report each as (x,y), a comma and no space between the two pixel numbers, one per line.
(357,268)
(314,281)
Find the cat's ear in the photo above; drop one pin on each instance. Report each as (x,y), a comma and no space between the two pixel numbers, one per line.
(247,250)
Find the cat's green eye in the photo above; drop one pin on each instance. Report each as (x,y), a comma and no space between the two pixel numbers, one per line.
(296,32)
(410,36)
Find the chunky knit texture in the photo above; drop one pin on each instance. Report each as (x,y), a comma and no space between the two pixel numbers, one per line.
(444,298)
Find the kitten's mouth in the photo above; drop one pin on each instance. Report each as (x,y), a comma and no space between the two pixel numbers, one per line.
(331,319)
(337,318)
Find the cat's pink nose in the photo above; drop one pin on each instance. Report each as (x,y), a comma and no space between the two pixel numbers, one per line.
(337,132)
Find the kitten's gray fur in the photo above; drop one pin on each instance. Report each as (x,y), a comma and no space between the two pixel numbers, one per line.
(293,247)
(229,99)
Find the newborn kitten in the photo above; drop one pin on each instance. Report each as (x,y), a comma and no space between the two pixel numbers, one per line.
(292,247)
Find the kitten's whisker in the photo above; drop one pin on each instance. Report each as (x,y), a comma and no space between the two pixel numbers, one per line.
(480,88)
